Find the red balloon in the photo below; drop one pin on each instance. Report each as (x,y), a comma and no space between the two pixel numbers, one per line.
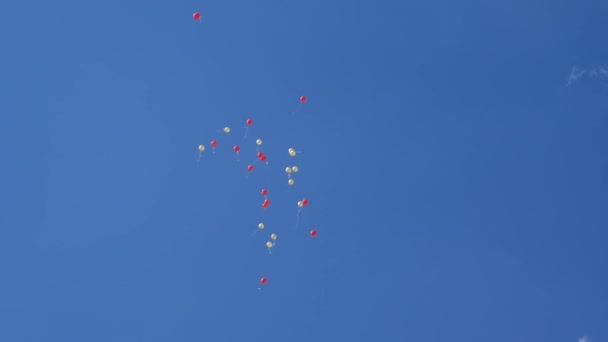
(260,155)
(213,143)
(263,158)
(250,168)
(302,99)
(263,280)
(313,233)
(249,122)
(236,148)
(305,202)
(196,16)
(264,192)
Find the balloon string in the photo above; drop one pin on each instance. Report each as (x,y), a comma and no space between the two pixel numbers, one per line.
(297,108)
(246,130)
(298,217)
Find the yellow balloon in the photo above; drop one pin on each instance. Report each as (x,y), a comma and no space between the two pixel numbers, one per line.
(259,141)
(290,182)
(269,244)
(201,148)
(294,168)
(300,204)
(288,169)
(261,226)
(273,236)
(227,129)
(292,152)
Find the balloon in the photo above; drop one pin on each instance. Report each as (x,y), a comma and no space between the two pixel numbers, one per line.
(266,203)
(250,168)
(305,202)
(236,148)
(264,192)
(260,155)
(201,148)
(313,233)
(213,143)
(288,169)
(227,129)
(196,16)
(249,122)
(263,280)
(300,204)
(292,152)
(273,236)
(302,99)
(290,181)
(269,244)
(263,158)
(294,168)
(259,142)
(261,225)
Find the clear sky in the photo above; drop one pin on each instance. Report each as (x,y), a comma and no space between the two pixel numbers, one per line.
(453,152)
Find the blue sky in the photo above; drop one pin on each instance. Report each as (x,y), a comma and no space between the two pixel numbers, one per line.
(454,156)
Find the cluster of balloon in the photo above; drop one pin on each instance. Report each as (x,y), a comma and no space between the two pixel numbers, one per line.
(266,202)
(261,156)
(272,242)
(289,170)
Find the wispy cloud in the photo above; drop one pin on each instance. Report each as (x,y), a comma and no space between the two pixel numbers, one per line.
(577,72)
(601,71)
(584,339)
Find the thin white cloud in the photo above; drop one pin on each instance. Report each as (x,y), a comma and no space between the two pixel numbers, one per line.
(600,71)
(584,339)
(576,73)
